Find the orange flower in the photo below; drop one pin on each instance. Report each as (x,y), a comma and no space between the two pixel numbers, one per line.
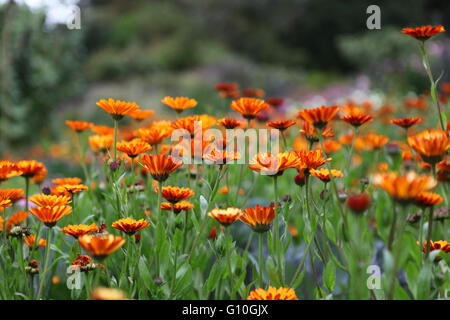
(319,117)
(154,135)
(436,245)
(102,293)
(257,93)
(141,114)
(17,218)
(258,218)
(310,160)
(331,146)
(216,156)
(376,141)
(423,33)
(8,170)
(69,189)
(103,130)
(273,294)
(31,168)
(116,108)
(310,132)
(226,86)
(79,126)
(60,181)
(225,216)
(79,230)
(428,199)
(50,215)
(281,125)
(179,104)
(177,207)
(324,174)
(430,144)
(30,241)
(101,246)
(101,142)
(406,122)
(176,194)
(249,107)
(228,123)
(415,102)
(274,165)
(191,124)
(129,225)
(404,188)
(133,148)
(12,194)
(357,120)
(43,200)
(160,166)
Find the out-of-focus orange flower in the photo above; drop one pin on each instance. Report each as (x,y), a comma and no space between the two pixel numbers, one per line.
(310,132)
(12,194)
(140,114)
(153,136)
(445,87)
(331,146)
(382,167)
(217,156)
(258,218)
(293,230)
(274,164)
(249,107)
(415,103)
(310,160)
(160,166)
(191,124)
(43,200)
(176,194)
(69,189)
(428,199)
(273,294)
(177,207)
(228,123)
(430,144)
(253,93)
(376,141)
(31,168)
(116,108)
(4,202)
(179,104)
(358,203)
(8,170)
(406,122)
(133,148)
(17,218)
(357,120)
(281,125)
(50,215)
(70,180)
(129,225)
(103,130)
(275,102)
(424,32)
(324,174)
(101,143)
(79,126)
(103,293)
(436,245)
(31,242)
(319,117)
(79,229)
(225,216)
(443,170)
(221,86)
(101,246)
(404,188)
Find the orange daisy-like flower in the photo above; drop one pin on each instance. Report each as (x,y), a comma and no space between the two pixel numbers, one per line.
(228,123)
(273,294)
(256,93)
(428,199)
(70,189)
(423,33)
(406,122)
(102,293)
(101,142)
(129,225)
(249,107)
(179,104)
(331,146)
(436,245)
(12,194)
(324,174)
(319,117)
(79,126)
(191,124)
(116,108)
(79,230)
(154,135)
(4,202)
(160,166)
(50,215)
(217,156)
(71,180)
(310,160)
(404,188)
(103,130)
(31,242)
(17,218)
(133,148)
(43,200)
(225,216)
(430,144)
(310,132)
(141,114)
(8,170)
(281,125)
(177,207)
(274,165)
(101,246)
(221,86)
(357,120)
(31,168)
(376,141)
(258,218)
(176,194)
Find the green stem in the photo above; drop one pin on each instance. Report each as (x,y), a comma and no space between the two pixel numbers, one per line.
(116,129)
(46,265)
(82,157)
(393,226)
(430,232)
(277,240)
(261,240)
(230,270)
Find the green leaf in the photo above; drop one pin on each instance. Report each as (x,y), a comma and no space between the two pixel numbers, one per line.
(329,276)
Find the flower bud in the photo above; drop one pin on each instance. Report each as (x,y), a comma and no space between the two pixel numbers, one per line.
(358,203)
